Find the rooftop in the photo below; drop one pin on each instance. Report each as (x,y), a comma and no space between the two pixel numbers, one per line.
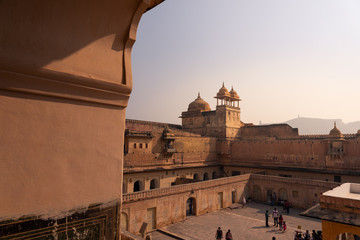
(346,190)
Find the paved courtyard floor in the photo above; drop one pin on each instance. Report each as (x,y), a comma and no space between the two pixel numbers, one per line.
(245,223)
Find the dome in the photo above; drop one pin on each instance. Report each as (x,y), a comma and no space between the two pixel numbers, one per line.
(234,94)
(223,92)
(335,132)
(199,105)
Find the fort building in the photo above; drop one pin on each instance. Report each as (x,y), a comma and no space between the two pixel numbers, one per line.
(213,150)
(214,143)
(65,81)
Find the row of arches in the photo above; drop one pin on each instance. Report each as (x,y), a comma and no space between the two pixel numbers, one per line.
(139,185)
(205,176)
(281,194)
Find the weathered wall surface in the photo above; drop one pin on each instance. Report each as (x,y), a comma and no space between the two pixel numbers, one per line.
(189,148)
(170,203)
(301,193)
(65,79)
(274,130)
(165,177)
(296,153)
(290,153)
(52,153)
(231,170)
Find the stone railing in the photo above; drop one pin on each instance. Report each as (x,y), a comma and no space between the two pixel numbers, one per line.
(300,181)
(130,197)
(153,123)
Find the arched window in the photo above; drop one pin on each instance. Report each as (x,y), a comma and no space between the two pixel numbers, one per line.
(214,175)
(154,183)
(196,177)
(191,206)
(138,186)
(283,194)
(347,236)
(206,176)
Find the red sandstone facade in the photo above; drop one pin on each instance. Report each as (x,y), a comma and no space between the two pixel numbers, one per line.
(220,140)
(65,80)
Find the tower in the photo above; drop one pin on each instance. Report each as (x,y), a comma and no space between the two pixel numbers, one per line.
(228,112)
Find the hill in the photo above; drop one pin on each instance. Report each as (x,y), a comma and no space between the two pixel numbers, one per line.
(322,126)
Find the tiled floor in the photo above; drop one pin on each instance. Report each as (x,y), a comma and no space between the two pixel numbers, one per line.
(245,223)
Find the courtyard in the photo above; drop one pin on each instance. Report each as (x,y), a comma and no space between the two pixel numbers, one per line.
(245,223)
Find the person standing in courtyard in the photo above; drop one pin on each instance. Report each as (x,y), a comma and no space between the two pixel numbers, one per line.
(219,234)
(281,220)
(228,235)
(275,216)
(267,218)
(284,226)
(287,206)
(243,201)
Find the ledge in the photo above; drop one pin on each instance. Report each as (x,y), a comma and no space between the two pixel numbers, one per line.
(78,88)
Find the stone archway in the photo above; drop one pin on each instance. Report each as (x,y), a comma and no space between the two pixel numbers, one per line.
(206,176)
(196,177)
(154,183)
(190,206)
(257,193)
(138,186)
(347,236)
(282,194)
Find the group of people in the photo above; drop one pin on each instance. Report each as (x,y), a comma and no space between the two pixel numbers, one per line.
(306,236)
(278,220)
(219,234)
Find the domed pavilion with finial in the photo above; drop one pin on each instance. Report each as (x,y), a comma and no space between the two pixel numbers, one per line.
(223,122)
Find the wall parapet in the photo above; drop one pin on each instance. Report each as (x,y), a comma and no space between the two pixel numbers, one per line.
(153,123)
(300,181)
(130,197)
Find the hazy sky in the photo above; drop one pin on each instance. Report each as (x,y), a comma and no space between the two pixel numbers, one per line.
(284,58)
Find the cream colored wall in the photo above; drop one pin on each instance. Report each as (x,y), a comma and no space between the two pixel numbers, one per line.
(170,203)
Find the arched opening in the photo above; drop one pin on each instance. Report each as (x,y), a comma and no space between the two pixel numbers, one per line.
(191,206)
(124,222)
(154,183)
(196,177)
(206,176)
(257,193)
(138,186)
(214,175)
(347,236)
(282,195)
